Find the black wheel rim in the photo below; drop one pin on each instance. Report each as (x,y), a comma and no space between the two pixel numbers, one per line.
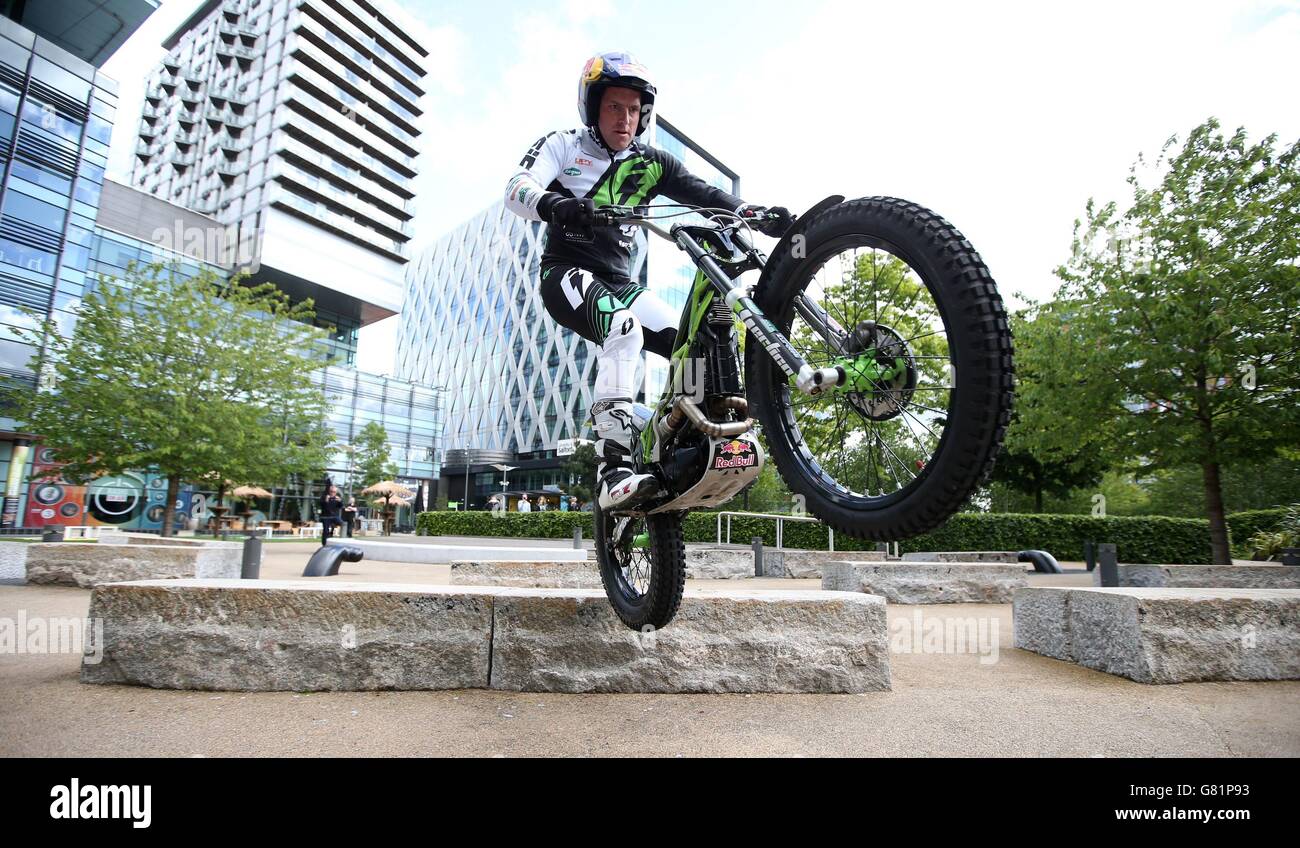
(631,565)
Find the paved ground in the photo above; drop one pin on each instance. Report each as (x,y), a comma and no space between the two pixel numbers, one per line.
(950,705)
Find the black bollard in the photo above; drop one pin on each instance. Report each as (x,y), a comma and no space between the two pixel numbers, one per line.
(252,564)
(1109,565)
(1088,556)
(757,543)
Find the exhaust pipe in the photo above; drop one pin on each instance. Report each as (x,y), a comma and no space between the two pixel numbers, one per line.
(685,410)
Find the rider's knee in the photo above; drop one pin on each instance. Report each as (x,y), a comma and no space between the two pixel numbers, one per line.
(624,337)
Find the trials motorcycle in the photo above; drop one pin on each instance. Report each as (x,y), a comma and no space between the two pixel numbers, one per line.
(875,361)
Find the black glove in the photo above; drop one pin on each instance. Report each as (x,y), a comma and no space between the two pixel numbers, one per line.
(769,220)
(574,215)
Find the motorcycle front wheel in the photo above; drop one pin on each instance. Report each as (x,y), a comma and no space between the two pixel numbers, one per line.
(920,327)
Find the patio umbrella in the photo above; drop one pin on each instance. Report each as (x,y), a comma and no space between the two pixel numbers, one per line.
(251,492)
(388,489)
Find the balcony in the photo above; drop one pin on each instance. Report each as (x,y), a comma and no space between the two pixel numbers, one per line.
(308,133)
(322,215)
(231,145)
(393,49)
(403,122)
(185,137)
(182,160)
(152,112)
(371,54)
(147,131)
(227,117)
(287,145)
(352,130)
(378,84)
(143,149)
(239,51)
(399,138)
(358,206)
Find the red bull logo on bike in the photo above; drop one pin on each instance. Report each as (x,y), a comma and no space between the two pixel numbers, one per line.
(735,454)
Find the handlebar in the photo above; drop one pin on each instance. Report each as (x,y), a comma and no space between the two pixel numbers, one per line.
(617,216)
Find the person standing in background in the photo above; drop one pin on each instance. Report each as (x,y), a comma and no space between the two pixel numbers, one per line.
(350,515)
(331,512)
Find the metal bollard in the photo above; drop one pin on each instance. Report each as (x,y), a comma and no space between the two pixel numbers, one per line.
(577,537)
(1088,556)
(252,564)
(757,543)
(1109,565)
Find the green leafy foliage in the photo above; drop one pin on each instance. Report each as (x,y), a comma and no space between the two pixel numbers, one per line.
(1179,330)
(581,467)
(372,455)
(200,378)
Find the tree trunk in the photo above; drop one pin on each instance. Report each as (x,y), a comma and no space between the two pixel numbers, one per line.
(1220,552)
(169,508)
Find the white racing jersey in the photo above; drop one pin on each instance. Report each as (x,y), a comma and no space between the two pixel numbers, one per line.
(573,163)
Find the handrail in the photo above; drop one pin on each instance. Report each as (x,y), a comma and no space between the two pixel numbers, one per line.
(780,525)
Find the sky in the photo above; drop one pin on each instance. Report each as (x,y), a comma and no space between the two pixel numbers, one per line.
(1004,117)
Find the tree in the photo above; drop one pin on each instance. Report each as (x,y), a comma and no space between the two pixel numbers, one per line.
(1270,482)
(1024,471)
(196,377)
(1055,442)
(580,466)
(373,463)
(1184,310)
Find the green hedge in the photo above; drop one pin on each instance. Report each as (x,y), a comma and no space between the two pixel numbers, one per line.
(525,525)
(1147,539)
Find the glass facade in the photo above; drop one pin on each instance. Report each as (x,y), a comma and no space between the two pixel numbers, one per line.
(410,413)
(473,322)
(56,119)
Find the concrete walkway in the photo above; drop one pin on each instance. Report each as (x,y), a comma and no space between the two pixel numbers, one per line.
(1001,703)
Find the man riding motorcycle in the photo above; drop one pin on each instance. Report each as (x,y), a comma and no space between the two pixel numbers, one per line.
(585,284)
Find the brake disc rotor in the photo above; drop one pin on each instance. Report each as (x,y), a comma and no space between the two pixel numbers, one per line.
(889,397)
